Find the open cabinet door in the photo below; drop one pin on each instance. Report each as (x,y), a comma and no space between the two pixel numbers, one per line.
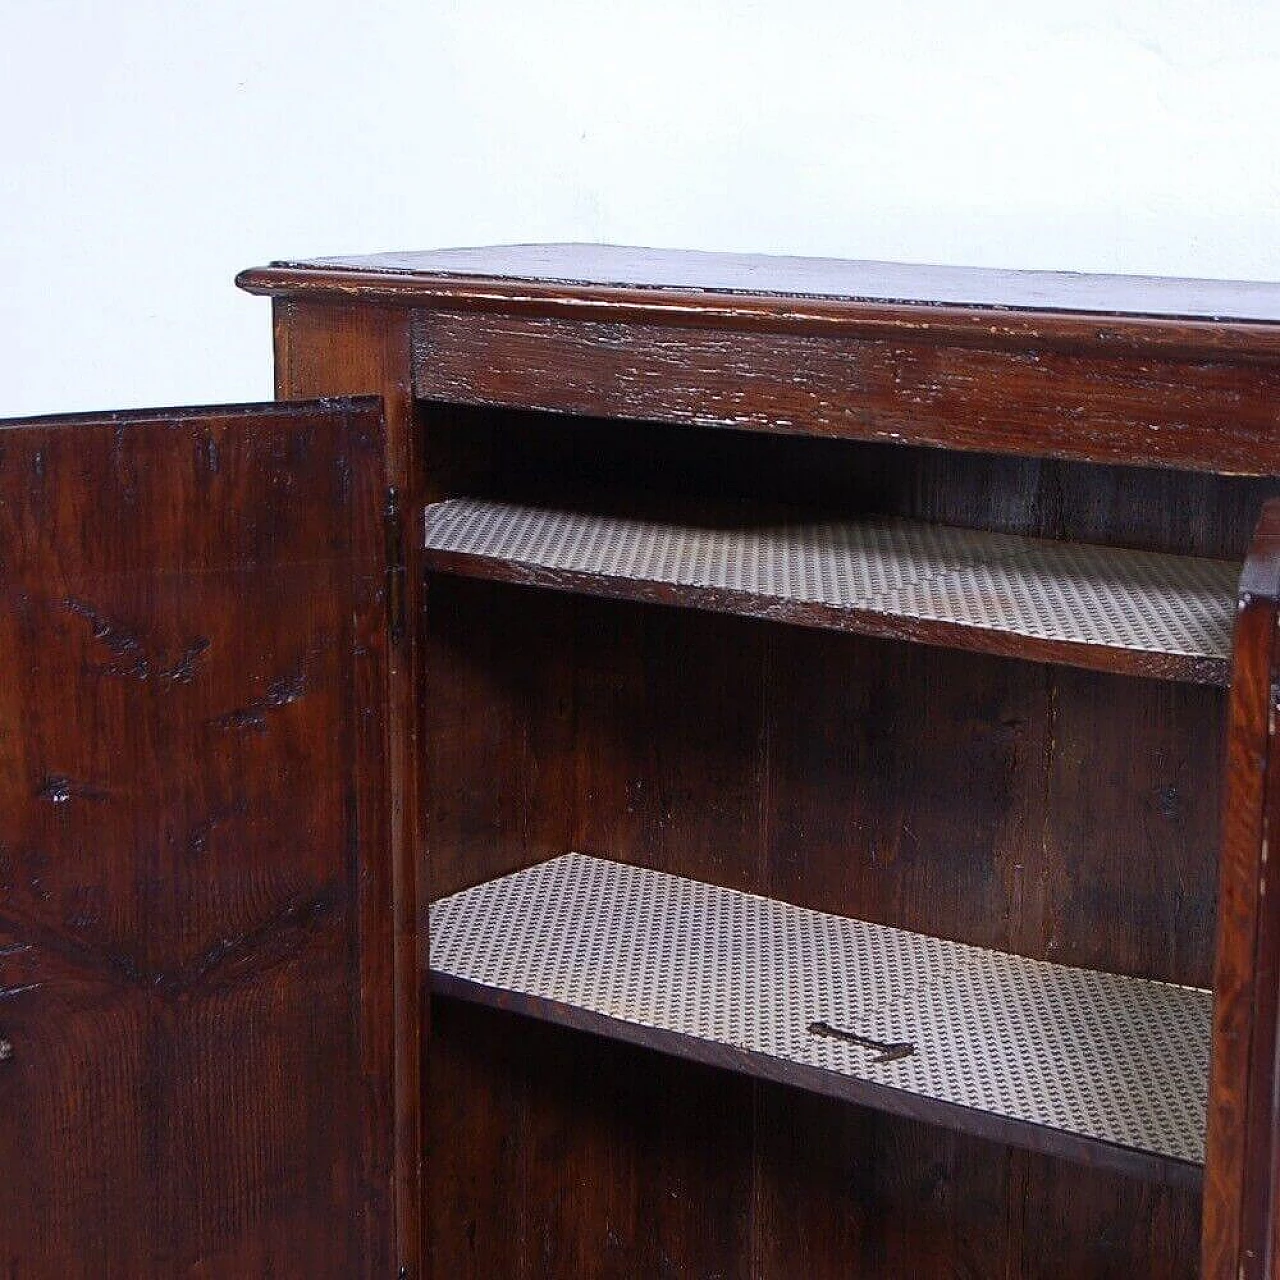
(196,995)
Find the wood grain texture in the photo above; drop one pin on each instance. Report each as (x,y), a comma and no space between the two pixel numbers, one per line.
(1132,814)
(344,351)
(1035,402)
(195,944)
(906,786)
(669,770)
(755,291)
(499,735)
(566,459)
(1242,1119)
(551,1154)
(845,1192)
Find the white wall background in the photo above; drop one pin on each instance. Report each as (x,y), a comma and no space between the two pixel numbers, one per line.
(151,148)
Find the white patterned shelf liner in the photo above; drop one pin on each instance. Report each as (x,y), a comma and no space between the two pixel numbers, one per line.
(1073,592)
(1108,1057)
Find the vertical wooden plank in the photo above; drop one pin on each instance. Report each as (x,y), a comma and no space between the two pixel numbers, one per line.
(342,349)
(476,1195)
(1074,1221)
(905,783)
(1132,814)
(633,1164)
(552,1153)
(1238,1161)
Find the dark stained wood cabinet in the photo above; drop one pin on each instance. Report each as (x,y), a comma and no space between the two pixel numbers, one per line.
(653,764)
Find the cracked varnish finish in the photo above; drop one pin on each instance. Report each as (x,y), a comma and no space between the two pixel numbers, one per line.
(194,899)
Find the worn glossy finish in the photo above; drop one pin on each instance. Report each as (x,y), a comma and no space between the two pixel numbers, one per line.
(597,266)
(196,1000)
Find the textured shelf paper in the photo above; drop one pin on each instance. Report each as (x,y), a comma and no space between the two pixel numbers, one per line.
(1110,1058)
(1143,602)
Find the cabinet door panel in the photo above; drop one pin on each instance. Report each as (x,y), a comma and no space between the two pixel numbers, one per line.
(195,951)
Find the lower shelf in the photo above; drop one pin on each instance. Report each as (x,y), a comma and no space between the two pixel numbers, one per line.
(1099,1068)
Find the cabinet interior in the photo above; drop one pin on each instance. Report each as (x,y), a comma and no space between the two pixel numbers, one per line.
(1047,810)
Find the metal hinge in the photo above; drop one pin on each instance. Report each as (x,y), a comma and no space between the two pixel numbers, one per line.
(394,524)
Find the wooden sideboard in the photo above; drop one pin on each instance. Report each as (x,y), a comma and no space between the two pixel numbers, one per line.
(648,763)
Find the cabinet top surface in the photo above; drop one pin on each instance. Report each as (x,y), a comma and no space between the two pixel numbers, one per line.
(681,276)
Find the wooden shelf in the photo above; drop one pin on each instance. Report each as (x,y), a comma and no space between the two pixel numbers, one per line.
(1133,612)
(1100,1068)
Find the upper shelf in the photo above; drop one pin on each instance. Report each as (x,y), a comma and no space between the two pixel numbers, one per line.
(1133,612)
